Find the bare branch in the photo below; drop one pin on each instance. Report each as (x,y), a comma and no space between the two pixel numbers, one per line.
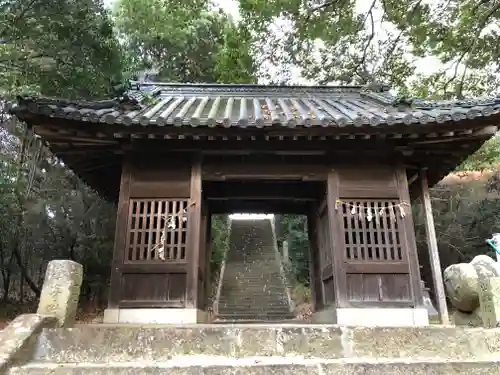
(362,62)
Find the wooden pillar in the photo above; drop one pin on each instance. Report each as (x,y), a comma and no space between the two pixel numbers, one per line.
(430,233)
(409,232)
(336,239)
(314,271)
(194,236)
(208,257)
(122,215)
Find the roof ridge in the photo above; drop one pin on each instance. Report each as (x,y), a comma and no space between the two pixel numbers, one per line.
(138,84)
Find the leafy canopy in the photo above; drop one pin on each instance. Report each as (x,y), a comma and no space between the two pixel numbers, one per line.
(58,48)
(348,41)
(184,41)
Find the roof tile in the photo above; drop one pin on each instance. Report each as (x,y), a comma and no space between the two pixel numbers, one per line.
(261,106)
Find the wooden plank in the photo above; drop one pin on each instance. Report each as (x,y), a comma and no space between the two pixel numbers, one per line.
(432,245)
(155,189)
(263,171)
(409,237)
(377,267)
(193,234)
(120,244)
(336,239)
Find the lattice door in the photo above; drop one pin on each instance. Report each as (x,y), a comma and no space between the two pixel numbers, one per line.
(148,220)
(372,231)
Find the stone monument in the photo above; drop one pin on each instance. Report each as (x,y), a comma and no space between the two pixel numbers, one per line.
(462,283)
(61,291)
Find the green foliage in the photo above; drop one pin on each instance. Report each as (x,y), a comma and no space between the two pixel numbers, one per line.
(465,216)
(58,48)
(183,41)
(358,42)
(487,157)
(295,233)
(220,243)
(47,213)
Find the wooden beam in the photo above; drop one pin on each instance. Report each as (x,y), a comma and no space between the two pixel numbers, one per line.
(409,237)
(121,229)
(275,171)
(252,189)
(336,238)
(430,233)
(194,236)
(314,277)
(259,206)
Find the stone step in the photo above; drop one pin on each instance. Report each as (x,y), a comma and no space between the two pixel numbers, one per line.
(197,365)
(253,285)
(250,297)
(228,304)
(260,304)
(255,276)
(253,282)
(255,259)
(254,297)
(257,317)
(252,300)
(255,307)
(247,315)
(125,343)
(262,264)
(277,314)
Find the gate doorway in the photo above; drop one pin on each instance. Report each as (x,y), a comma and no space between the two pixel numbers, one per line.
(254,283)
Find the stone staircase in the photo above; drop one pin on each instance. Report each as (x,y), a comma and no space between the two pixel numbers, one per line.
(253,287)
(258,349)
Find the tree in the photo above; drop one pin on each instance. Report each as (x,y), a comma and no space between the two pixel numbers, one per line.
(184,41)
(58,48)
(351,42)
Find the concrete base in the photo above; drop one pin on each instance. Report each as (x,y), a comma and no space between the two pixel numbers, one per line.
(372,317)
(155,316)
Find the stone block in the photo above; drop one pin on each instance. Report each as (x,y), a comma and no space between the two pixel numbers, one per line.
(262,366)
(61,291)
(489,297)
(15,339)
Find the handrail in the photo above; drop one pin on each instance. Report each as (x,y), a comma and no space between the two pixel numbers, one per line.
(215,306)
(280,263)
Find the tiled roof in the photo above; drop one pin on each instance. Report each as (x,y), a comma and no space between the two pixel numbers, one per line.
(260,106)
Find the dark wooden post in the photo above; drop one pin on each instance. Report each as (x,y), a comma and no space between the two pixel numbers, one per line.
(314,271)
(430,233)
(194,236)
(208,256)
(409,231)
(336,239)
(120,245)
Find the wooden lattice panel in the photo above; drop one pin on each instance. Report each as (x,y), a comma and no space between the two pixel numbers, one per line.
(147,220)
(373,237)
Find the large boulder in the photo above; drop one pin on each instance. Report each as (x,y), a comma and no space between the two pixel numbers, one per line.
(485,267)
(461,283)
(472,319)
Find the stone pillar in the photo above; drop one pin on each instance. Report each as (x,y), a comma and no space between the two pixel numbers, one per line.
(286,257)
(61,291)
(489,301)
